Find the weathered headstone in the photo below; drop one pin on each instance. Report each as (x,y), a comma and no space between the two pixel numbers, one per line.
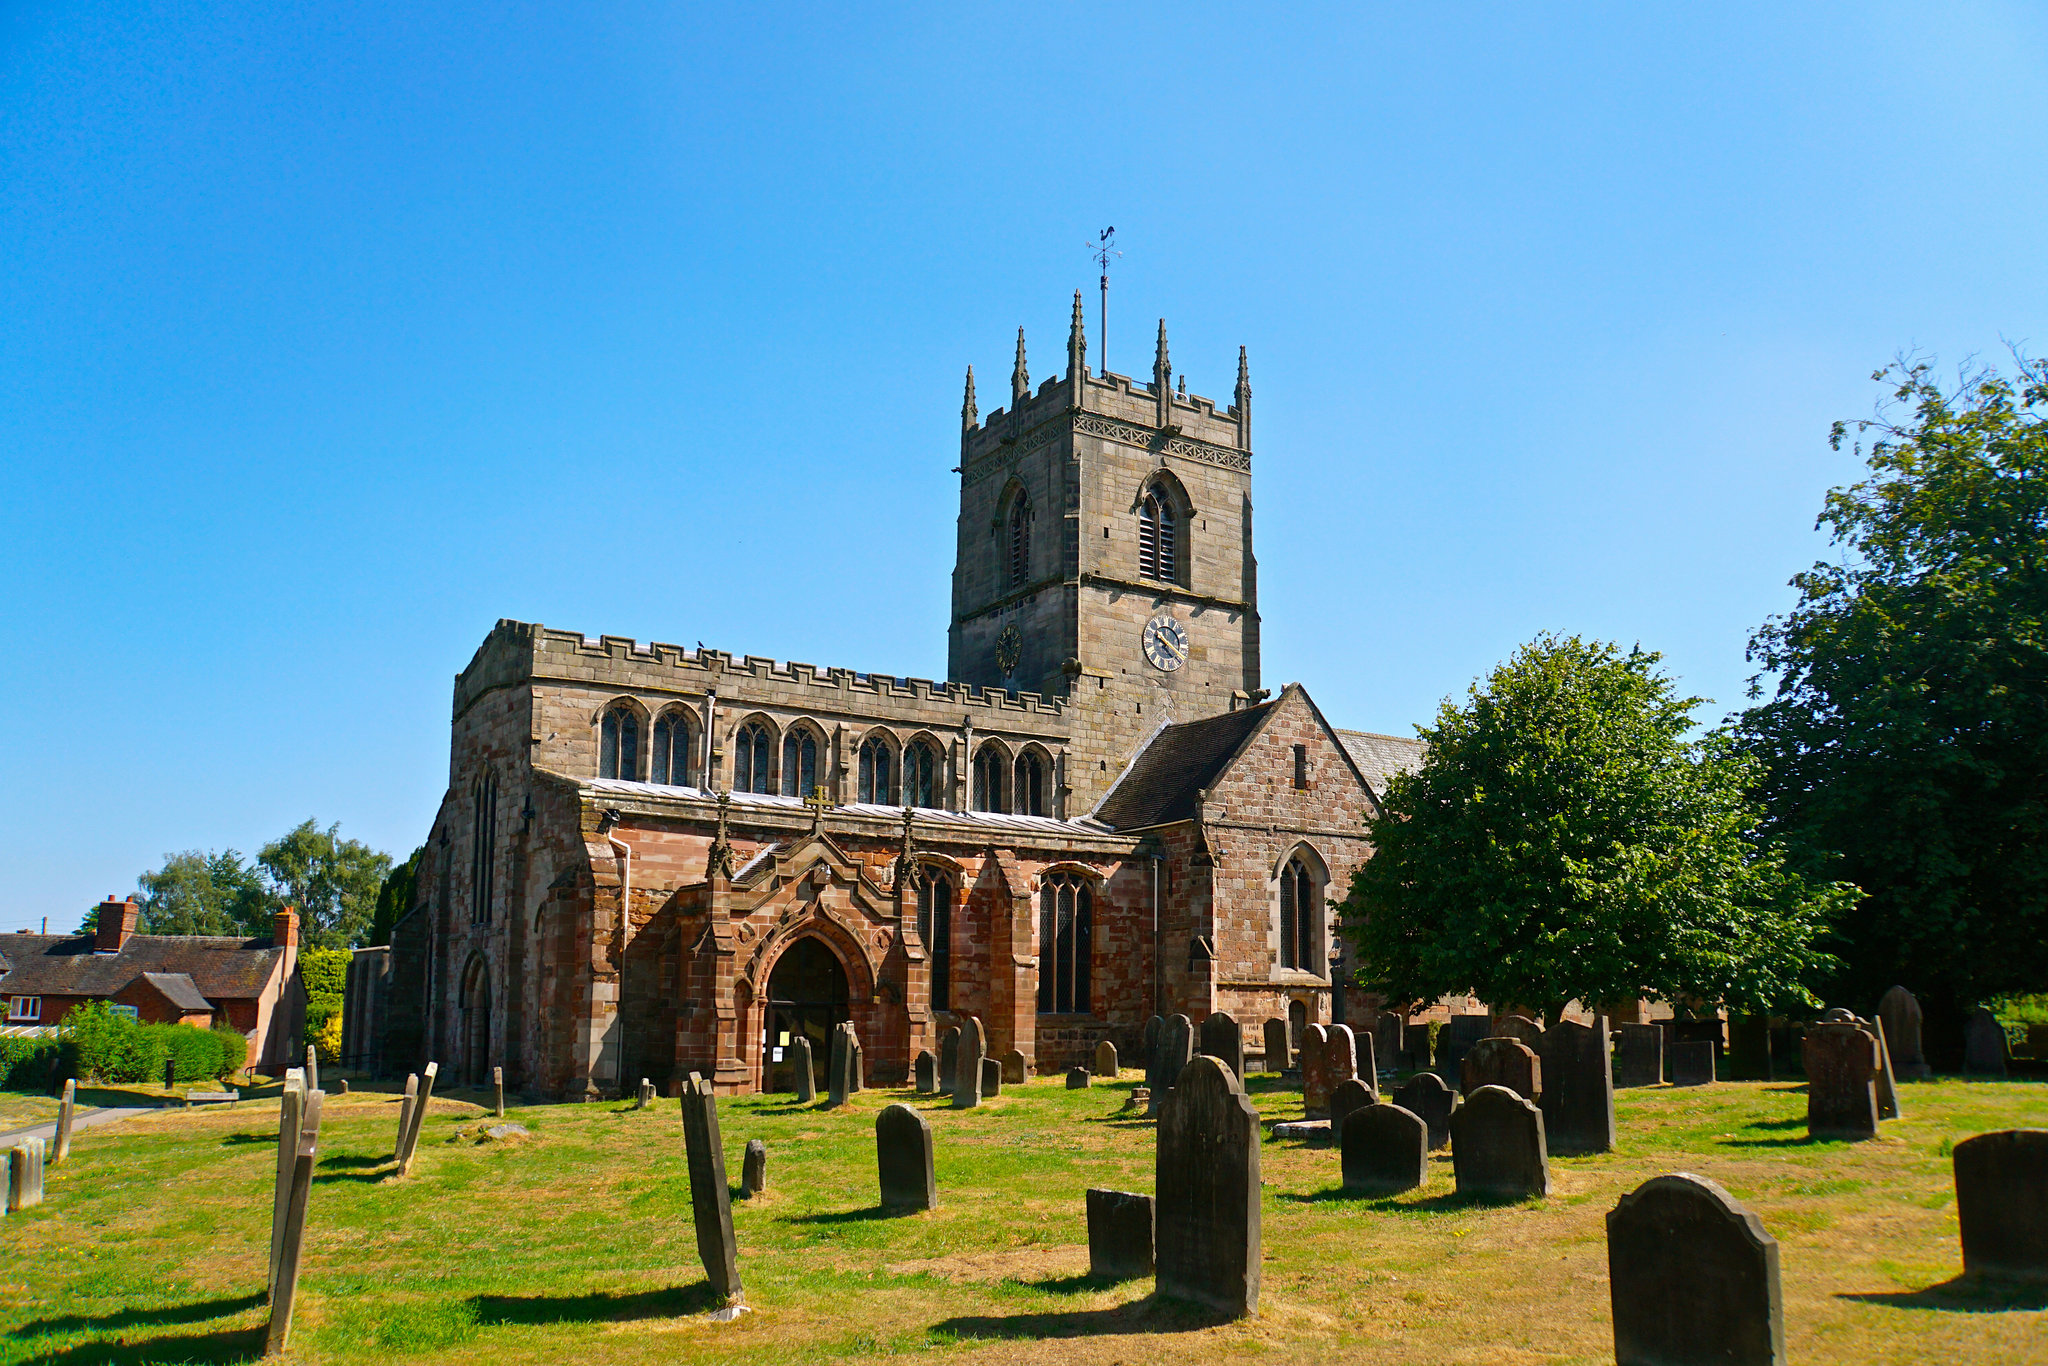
(1454,1041)
(1749,1048)
(170,1074)
(1176,1047)
(856,1079)
(926,1070)
(1689,1062)
(1887,1091)
(1389,1042)
(1315,1072)
(419,1118)
(284,1282)
(1578,1087)
(498,1089)
(1497,1145)
(967,1066)
(340,1086)
(1014,1073)
(903,1153)
(1638,1055)
(291,1111)
(1425,1096)
(1348,1095)
(1078,1078)
(754,1169)
(1984,1043)
(312,1067)
(1505,1062)
(405,1109)
(1340,1054)
(1694,1278)
(67,1112)
(1841,1081)
(803,1073)
(1105,1059)
(839,1067)
(1519,1027)
(1279,1058)
(1901,1015)
(1119,1235)
(710,1197)
(1223,1040)
(949,1057)
(24,1175)
(1141,1097)
(1384,1149)
(991,1078)
(1207,1177)
(2002,1202)
(643,1094)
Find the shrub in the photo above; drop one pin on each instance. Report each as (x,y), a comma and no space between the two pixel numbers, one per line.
(25,1062)
(327,1038)
(325,972)
(196,1053)
(234,1049)
(97,1041)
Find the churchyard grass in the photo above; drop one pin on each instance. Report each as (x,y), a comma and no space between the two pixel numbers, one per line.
(576,1244)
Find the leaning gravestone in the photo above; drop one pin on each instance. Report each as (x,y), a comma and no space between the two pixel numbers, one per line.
(1078,1078)
(1983,1043)
(406,1103)
(710,1197)
(1207,1175)
(1315,1072)
(1389,1042)
(1841,1081)
(418,1119)
(991,1078)
(288,1249)
(1426,1097)
(1223,1040)
(1638,1055)
(754,1169)
(67,1111)
(1497,1146)
(1119,1235)
(1578,1087)
(967,1066)
(1901,1015)
(2002,1202)
(1519,1027)
(1689,1062)
(312,1067)
(802,1072)
(903,1153)
(1385,1149)
(857,1079)
(1887,1091)
(1105,1059)
(1502,1062)
(1349,1095)
(839,1068)
(1279,1058)
(926,1070)
(1694,1278)
(1013,1068)
(949,1056)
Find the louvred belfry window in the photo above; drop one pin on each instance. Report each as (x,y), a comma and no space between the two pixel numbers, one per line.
(1156,537)
(1066,916)
(1020,541)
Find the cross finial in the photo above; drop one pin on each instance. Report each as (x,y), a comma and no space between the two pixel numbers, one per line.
(969,413)
(1020,378)
(819,804)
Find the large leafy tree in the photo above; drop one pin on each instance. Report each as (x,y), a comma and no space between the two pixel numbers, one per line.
(1905,742)
(1564,840)
(394,899)
(333,881)
(205,893)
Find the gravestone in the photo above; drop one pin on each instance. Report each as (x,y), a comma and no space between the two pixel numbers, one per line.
(1689,1062)
(949,1056)
(1887,1092)
(839,1067)
(1176,1047)
(1901,1015)
(1119,1235)
(857,1080)
(1707,1031)
(1348,1095)
(1638,1055)
(926,1070)
(405,1108)
(2002,1202)
(710,1197)
(1497,1146)
(1454,1041)
(25,1175)
(1278,1056)
(170,1074)
(1389,1042)
(903,1153)
(1578,1087)
(1078,1078)
(1983,1043)
(1519,1027)
(1693,1278)
(1841,1081)
(1315,1072)
(1141,1100)
(1105,1059)
(1749,1048)
(1384,1149)
(497,1089)
(803,1073)
(340,1086)
(644,1095)
(967,1066)
(1013,1068)
(1425,1096)
(754,1169)
(1502,1062)
(291,1106)
(1206,1172)
(419,1118)
(312,1067)
(1223,1040)
(284,1280)
(67,1112)
(991,1078)
(1340,1054)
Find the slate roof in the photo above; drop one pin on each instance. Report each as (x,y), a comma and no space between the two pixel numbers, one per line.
(926,815)
(1159,787)
(218,968)
(1380,757)
(178,989)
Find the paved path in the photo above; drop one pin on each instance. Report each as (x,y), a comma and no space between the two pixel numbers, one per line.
(80,1120)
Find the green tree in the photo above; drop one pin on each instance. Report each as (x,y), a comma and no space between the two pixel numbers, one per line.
(205,893)
(1905,740)
(334,882)
(394,899)
(1563,840)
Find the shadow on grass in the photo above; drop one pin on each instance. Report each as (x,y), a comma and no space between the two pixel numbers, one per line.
(1393,1204)
(386,1167)
(854,1216)
(1796,1122)
(1075,1285)
(1967,1294)
(237,1140)
(197,1312)
(1153,1314)
(352,1163)
(235,1344)
(600,1307)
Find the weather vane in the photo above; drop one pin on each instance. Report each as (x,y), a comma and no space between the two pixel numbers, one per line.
(1103,251)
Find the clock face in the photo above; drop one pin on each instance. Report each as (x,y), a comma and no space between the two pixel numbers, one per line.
(1009,645)
(1166,644)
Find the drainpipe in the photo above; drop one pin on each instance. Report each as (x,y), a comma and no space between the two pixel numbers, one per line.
(1157,861)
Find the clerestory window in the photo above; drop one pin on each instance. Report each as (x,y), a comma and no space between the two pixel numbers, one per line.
(619,745)
(671,763)
(988,780)
(799,764)
(750,759)
(1030,788)
(877,773)
(921,776)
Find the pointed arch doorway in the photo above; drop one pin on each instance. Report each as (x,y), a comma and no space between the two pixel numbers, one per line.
(807,996)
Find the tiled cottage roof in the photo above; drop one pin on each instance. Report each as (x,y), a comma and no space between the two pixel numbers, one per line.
(178,989)
(218,968)
(1160,785)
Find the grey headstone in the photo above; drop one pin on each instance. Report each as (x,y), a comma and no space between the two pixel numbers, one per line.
(643,1095)
(1578,1087)
(840,1067)
(754,1169)
(1887,1091)
(1749,1048)
(1279,1058)
(1350,1094)
(991,1078)
(2002,1202)
(1984,1043)
(312,1067)
(1389,1041)
(284,1282)
(67,1112)
(802,1070)
(1014,1073)
(1841,1081)
(857,1079)
(710,1197)
(1502,1062)
(1315,1072)
(967,1066)
(1901,1015)
(1176,1047)
(903,1152)
(926,1070)
(1078,1078)
(1119,1235)
(1689,1062)
(497,1090)
(1340,1054)
(949,1056)
(1455,1040)
(1223,1040)
(1693,1278)
(1105,1059)
(406,1103)
(1638,1055)
(1497,1145)
(1519,1027)
(1425,1095)
(1384,1149)
(1207,1177)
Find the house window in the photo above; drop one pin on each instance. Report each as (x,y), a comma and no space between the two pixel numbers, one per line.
(619,751)
(1030,789)
(876,773)
(1301,940)
(24,1009)
(1020,541)
(1066,916)
(672,750)
(1156,559)
(921,775)
(988,780)
(750,759)
(799,763)
(483,847)
(935,927)
(1301,767)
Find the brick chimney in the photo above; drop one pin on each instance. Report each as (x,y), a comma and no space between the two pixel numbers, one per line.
(284,928)
(116,921)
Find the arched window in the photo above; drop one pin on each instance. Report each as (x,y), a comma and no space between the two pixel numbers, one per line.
(1030,789)
(1301,937)
(921,786)
(1020,540)
(1066,914)
(799,763)
(1156,539)
(750,759)
(672,750)
(988,780)
(483,846)
(877,772)
(935,928)
(619,750)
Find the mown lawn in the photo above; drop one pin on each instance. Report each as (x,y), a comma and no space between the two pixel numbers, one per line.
(576,1244)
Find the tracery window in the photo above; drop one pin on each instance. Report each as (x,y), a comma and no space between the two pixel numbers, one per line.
(1020,540)
(1030,789)
(1066,914)
(1156,538)
(619,745)
(921,785)
(671,763)
(483,846)
(988,780)
(1301,940)
(877,772)
(799,763)
(935,928)
(750,759)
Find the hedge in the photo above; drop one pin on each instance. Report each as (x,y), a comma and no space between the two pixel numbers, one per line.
(98,1042)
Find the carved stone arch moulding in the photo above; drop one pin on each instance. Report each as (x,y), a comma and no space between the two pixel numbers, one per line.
(1318,866)
(848,944)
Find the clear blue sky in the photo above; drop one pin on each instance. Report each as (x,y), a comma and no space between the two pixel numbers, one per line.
(331,334)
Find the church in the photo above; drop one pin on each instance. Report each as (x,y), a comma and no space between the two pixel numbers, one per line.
(652,861)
